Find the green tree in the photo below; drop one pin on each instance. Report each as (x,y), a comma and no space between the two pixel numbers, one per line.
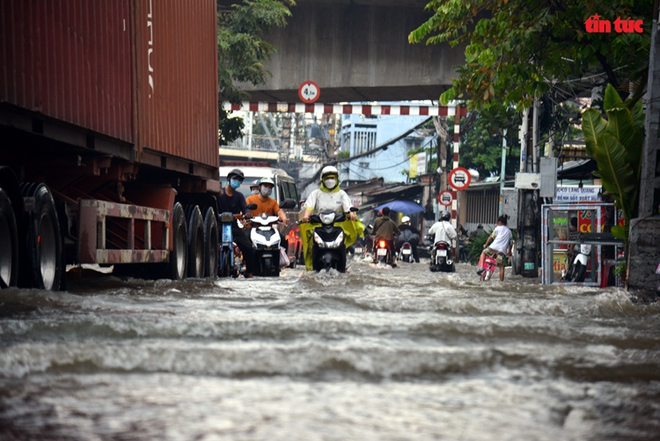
(517,50)
(242,53)
(481,143)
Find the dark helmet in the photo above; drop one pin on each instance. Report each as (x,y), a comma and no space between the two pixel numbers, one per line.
(255,184)
(446,216)
(235,172)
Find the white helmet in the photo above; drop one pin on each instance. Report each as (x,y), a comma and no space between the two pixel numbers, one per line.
(266,181)
(329,170)
(405,220)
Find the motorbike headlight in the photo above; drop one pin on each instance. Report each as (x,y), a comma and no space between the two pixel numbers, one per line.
(335,243)
(319,241)
(327,218)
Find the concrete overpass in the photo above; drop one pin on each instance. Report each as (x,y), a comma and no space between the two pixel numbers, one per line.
(356,50)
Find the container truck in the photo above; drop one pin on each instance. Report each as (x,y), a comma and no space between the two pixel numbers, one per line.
(108,138)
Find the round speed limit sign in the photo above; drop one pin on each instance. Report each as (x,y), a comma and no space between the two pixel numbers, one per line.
(309,92)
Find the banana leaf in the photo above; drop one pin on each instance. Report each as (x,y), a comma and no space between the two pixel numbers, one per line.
(593,125)
(611,99)
(616,173)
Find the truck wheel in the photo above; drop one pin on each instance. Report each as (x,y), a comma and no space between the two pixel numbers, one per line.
(179,253)
(195,241)
(9,239)
(211,241)
(44,243)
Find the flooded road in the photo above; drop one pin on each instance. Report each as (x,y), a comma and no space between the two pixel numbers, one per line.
(376,354)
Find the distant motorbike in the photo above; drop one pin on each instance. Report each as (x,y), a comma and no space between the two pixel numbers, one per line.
(463,244)
(328,249)
(383,251)
(266,241)
(405,243)
(405,252)
(577,268)
(359,249)
(442,257)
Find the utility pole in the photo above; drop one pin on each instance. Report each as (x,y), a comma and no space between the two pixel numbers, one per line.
(440,124)
(644,232)
(502,173)
(526,260)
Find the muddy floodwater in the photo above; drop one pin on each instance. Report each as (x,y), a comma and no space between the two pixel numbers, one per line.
(375,354)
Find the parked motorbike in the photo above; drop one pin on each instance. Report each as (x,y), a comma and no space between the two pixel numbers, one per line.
(442,257)
(383,251)
(328,249)
(266,241)
(577,268)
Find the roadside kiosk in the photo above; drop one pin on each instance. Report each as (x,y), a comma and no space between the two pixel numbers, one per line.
(563,225)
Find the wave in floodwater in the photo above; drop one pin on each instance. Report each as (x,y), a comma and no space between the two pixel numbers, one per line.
(310,349)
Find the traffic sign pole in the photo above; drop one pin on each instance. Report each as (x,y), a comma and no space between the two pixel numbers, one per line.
(457,145)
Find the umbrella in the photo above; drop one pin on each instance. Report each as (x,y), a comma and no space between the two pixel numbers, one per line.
(405,207)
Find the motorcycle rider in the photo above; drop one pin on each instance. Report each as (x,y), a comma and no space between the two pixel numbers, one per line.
(443,230)
(266,204)
(233,201)
(327,197)
(385,228)
(254,187)
(409,234)
(501,246)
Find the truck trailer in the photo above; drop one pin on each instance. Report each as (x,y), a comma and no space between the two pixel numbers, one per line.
(108,138)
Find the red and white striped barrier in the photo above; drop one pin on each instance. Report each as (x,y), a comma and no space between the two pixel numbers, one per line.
(346,109)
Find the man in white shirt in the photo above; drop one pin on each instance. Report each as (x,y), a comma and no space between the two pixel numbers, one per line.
(328,196)
(443,230)
(501,246)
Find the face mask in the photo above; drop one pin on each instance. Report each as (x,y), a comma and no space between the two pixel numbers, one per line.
(265,191)
(235,183)
(255,191)
(330,183)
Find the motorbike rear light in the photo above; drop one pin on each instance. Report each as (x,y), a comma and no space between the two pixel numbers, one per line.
(382,244)
(441,246)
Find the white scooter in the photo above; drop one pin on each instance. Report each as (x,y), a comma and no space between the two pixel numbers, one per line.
(266,242)
(577,269)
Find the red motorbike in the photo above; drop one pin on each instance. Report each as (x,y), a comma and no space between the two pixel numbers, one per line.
(490,263)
